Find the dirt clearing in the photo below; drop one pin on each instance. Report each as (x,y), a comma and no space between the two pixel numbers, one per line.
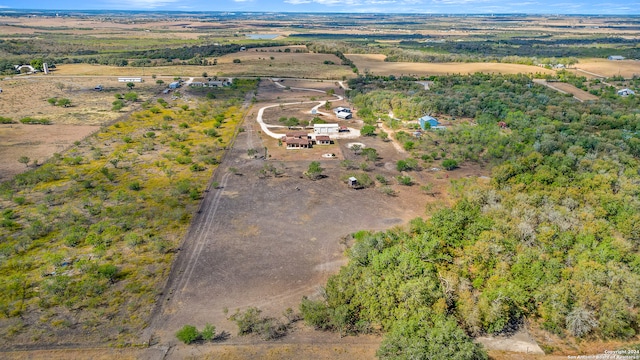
(565,88)
(38,142)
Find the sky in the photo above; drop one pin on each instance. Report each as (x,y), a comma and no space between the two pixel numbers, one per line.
(592,7)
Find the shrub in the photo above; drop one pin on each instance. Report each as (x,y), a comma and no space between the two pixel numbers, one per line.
(247,321)
(449,164)
(5,120)
(381,179)
(316,314)
(197,167)
(135,186)
(117,105)
(250,322)
(405,180)
(30,121)
(208,333)
(368,130)
(131,96)
(188,334)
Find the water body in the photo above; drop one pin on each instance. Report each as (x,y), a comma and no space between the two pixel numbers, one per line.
(262,36)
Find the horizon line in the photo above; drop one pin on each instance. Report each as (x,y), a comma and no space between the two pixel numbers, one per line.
(240,12)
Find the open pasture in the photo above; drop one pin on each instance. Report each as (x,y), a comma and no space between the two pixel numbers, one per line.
(375,64)
(253,62)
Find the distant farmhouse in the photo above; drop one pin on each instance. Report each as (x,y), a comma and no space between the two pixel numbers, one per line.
(220,83)
(174,85)
(616,57)
(626,92)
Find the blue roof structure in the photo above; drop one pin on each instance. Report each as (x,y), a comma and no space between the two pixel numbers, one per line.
(433,122)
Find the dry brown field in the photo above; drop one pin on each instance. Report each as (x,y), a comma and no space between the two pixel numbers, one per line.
(609,68)
(375,64)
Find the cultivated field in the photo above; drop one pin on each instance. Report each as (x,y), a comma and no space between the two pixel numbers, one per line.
(375,64)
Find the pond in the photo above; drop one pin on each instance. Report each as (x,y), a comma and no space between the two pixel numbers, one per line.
(262,36)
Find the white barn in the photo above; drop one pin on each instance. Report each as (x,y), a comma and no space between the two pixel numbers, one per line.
(325,128)
(626,92)
(343,115)
(130,79)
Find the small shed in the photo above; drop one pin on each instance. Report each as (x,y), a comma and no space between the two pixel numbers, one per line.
(616,57)
(433,122)
(174,85)
(352,181)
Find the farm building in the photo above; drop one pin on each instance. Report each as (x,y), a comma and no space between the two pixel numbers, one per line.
(616,57)
(174,85)
(130,79)
(344,115)
(220,83)
(430,120)
(340,109)
(325,128)
(197,84)
(297,140)
(323,140)
(626,92)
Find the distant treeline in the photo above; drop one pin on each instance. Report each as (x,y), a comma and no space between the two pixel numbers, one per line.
(330,36)
(191,55)
(531,47)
